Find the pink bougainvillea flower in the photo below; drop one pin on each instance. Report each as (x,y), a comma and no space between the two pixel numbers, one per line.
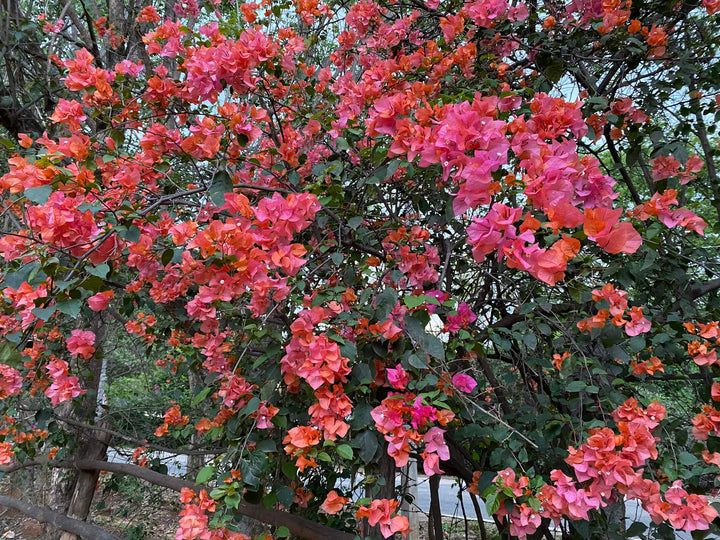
(264,415)
(101,300)
(637,324)
(379,512)
(463,319)
(81,343)
(10,381)
(63,387)
(464,383)
(397,377)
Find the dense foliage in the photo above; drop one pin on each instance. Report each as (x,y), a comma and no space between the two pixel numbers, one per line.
(336,237)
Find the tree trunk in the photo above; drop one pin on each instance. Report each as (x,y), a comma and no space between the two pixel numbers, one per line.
(61,483)
(74,492)
(95,448)
(435,530)
(387,491)
(615,514)
(410,486)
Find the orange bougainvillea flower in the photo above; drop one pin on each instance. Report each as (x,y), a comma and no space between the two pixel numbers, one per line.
(648,367)
(602,226)
(302,462)
(302,496)
(473,486)
(712,6)
(713,457)
(334,503)
(558,360)
(709,330)
(302,437)
(25,141)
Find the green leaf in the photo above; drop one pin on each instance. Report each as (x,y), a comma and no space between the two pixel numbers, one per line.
(233,501)
(282,532)
(599,101)
(636,529)
(378,176)
(204,475)
(38,195)
(417,361)
(433,346)
(101,270)
(286,496)
(167,256)
(348,350)
(632,156)
(266,446)
(269,500)
(384,303)
(368,443)
(492,502)
(253,467)
(21,275)
(119,137)
(44,313)
(361,416)
(583,528)
(414,326)
(337,258)
(131,234)
(530,341)
(344,451)
(70,307)
(289,470)
(9,355)
(200,396)
(93,284)
(687,459)
(576,386)
(362,373)
(355,222)
(413,301)
(637,344)
(392,168)
(222,184)
(250,408)
(219,492)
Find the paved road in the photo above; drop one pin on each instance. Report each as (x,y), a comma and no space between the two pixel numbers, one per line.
(450,505)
